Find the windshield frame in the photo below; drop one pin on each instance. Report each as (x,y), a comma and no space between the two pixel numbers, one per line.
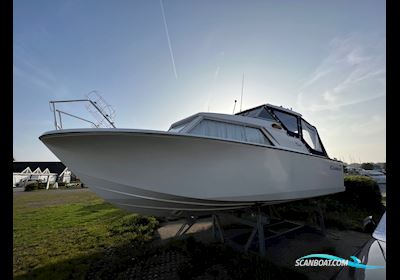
(299,129)
(258,108)
(323,151)
(290,132)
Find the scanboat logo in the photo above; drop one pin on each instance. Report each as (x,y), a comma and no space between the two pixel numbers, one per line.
(329,260)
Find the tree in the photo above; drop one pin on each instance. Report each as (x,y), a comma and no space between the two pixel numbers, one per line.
(367,166)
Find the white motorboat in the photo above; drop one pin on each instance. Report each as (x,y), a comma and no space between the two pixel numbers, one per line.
(204,163)
(376,175)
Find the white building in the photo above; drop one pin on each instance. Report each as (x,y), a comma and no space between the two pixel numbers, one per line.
(19,177)
(65,176)
(43,172)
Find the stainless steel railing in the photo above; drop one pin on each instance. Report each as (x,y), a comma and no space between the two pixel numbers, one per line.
(58,121)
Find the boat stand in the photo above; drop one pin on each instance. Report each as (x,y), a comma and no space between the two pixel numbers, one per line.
(320,216)
(218,232)
(259,223)
(189,222)
(263,228)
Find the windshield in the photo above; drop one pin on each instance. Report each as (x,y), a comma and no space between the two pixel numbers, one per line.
(288,120)
(260,113)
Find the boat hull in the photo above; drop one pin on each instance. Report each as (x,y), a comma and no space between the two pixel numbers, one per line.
(164,174)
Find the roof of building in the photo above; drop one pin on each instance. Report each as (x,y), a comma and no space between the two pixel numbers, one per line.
(53,166)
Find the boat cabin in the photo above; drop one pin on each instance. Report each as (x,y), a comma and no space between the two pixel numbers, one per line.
(267,125)
(292,122)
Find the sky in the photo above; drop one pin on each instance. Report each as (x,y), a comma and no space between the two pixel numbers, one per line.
(156,62)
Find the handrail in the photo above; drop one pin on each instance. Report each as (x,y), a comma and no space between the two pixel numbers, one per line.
(54,110)
(71,115)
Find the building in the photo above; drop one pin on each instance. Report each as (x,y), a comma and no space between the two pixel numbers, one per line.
(43,172)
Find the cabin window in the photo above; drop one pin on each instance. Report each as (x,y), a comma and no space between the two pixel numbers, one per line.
(288,120)
(310,135)
(230,131)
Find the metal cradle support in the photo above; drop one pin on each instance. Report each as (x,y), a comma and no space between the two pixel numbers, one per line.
(217,230)
(257,226)
(189,222)
(320,217)
(260,233)
(263,227)
(259,223)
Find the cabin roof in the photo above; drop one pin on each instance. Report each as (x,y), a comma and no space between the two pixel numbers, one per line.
(290,111)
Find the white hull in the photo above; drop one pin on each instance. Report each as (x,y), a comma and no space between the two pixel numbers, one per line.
(161,173)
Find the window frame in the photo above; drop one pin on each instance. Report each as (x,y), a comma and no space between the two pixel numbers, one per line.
(261,107)
(260,128)
(298,135)
(321,153)
(289,132)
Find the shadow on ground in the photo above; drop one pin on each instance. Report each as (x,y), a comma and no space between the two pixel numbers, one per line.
(188,258)
(177,259)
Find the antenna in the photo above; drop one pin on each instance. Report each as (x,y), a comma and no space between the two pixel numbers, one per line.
(234,106)
(241,97)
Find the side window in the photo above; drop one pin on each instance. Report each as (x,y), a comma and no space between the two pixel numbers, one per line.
(254,135)
(230,131)
(288,120)
(310,135)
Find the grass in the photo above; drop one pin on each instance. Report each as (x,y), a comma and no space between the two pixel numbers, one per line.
(60,234)
(73,234)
